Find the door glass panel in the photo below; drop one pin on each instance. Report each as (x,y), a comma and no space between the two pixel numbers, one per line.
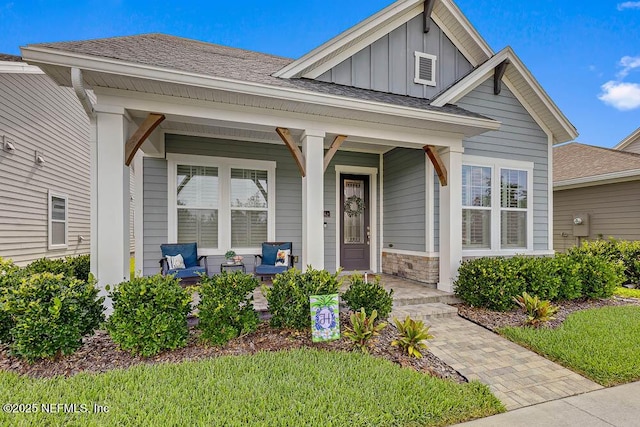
(354,215)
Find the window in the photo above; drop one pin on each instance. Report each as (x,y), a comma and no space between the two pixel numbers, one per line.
(496,212)
(513,208)
(57,221)
(221,203)
(476,207)
(425,69)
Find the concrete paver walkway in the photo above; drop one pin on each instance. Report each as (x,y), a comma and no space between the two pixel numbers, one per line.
(616,406)
(517,376)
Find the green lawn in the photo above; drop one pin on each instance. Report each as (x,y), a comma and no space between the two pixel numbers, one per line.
(628,293)
(300,387)
(603,344)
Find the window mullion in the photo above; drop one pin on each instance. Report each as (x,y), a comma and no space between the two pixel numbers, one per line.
(496,196)
(224,213)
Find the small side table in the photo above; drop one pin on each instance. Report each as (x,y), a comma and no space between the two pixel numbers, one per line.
(231,267)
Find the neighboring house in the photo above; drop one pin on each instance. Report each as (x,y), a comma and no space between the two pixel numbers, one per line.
(402,145)
(596,192)
(44,166)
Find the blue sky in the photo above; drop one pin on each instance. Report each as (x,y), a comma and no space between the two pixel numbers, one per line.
(586,54)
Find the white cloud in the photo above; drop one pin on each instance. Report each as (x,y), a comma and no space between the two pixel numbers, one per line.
(629,63)
(629,5)
(620,95)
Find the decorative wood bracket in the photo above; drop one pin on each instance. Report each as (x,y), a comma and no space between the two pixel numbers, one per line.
(133,144)
(335,145)
(286,137)
(438,165)
(498,73)
(428,8)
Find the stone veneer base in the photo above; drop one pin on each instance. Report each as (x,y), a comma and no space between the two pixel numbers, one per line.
(414,267)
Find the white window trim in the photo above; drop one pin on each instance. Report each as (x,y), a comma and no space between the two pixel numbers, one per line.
(496,208)
(224,166)
(50,220)
(416,78)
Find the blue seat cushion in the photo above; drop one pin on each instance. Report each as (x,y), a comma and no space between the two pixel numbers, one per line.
(270,252)
(270,269)
(182,273)
(189,252)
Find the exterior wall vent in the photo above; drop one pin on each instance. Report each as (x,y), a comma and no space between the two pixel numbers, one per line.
(425,73)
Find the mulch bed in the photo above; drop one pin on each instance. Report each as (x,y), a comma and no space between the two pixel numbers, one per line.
(100,354)
(494,320)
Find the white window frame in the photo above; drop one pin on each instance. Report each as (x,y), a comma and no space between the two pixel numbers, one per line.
(483,208)
(416,76)
(496,206)
(51,245)
(224,166)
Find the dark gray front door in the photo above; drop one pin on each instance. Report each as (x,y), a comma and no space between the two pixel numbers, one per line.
(355,228)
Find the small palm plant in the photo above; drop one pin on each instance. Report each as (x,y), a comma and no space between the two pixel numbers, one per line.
(538,311)
(413,334)
(363,329)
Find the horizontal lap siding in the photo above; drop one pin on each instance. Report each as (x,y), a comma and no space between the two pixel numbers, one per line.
(404,199)
(634,147)
(388,64)
(36,114)
(613,211)
(155,230)
(519,138)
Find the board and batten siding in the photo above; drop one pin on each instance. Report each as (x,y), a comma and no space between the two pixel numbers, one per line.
(613,211)
(388,64)
(288,194)
(404,199)
(519,138)
(38,115)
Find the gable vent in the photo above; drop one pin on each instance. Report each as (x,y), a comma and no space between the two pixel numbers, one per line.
(425,69)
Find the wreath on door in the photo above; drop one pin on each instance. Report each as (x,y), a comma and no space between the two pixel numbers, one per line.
(353,206)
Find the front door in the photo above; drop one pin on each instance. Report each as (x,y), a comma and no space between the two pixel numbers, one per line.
(355,228)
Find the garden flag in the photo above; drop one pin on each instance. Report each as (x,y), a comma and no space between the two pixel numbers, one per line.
(325,317)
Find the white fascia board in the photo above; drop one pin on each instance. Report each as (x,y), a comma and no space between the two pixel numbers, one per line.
(13,67)
(379,22)
(469,28)
(628,140)
(67,59)
(590,181)
(188,108)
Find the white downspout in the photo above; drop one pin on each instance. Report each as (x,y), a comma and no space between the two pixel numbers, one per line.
(77,82)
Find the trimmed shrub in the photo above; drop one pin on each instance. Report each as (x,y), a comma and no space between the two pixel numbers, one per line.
(9,278)
(627,252)
(489,282)
(47,265)
(539,275)
(149,315)
(370,296)
(51,313)
(226,307)
(288,298)
(79,266)
(568,271)
(598,276)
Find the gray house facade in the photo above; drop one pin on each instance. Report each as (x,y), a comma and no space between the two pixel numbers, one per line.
(403,145)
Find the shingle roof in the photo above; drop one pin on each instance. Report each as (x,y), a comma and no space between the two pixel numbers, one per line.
(165,51)
(575,160)
(10,58)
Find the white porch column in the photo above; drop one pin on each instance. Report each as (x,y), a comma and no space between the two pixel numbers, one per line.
(451,219)
(313,200)
(110,200)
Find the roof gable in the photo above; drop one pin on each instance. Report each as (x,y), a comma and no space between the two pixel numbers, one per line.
(630,143)
(524,86)
(445,14)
